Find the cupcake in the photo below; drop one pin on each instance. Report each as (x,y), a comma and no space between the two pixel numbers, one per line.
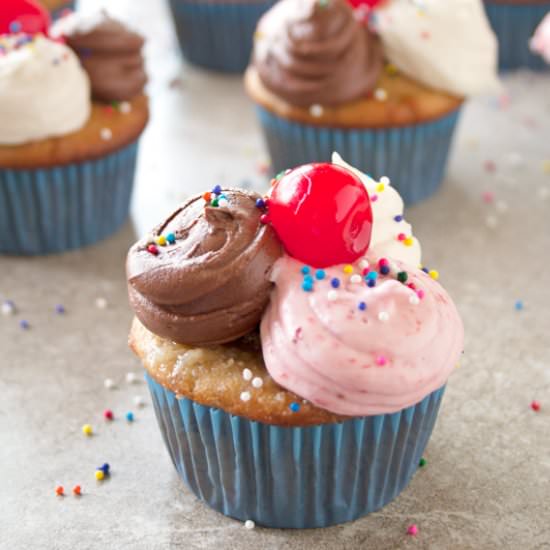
(540,43)
(514,22)
(295,352)
(66,161)
(322,79)
(217,34)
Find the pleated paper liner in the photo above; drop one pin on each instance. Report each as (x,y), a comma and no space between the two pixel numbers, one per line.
(217,35)
(292,477)
(414,157)
(49,210)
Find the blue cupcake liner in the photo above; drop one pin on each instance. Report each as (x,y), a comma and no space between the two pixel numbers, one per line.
(58,12)
(293,477)
(49,210)
(217,36)
(514,26)
(414,157)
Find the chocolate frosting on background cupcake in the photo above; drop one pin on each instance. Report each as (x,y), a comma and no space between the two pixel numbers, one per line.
(316,52)
(209,283)
(110,53)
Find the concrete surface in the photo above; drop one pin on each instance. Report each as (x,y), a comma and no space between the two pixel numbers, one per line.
(486,484)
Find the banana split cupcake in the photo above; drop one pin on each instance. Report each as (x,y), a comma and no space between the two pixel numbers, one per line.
(295,352)
(69,134)
(387,96)
(514,22)
(217,34)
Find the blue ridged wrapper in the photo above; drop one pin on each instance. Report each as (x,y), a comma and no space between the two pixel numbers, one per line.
(47,210)
(414,157)
(514,26)
(293,477)
(217,36)
(58,12)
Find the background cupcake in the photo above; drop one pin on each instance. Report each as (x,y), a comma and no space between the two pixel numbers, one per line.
(67,163)
(58,8)
(308,423)
(514,22)
(540,43)
(217,34)
(322,82)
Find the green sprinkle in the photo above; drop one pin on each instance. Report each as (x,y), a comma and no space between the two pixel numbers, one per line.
(402,276)
(422,462)
(215,202)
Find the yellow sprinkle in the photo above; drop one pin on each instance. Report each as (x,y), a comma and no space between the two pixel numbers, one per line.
(457,366)
(546,166)
(391,69)
(380,187)
(99,475)
(258,35)
(434,274)
(161,240)
(348,269)
(409,241)
(87,429)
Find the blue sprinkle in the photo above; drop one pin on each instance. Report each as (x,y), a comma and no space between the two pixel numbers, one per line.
(320,274)
(362,306)
(371,276)
(294,407)
(59,309)
(307,286)
(371,283)
(130,416)
(384,270)
(519,305)
(171,238)
(425,270)
(335,283)
(15,26)
(24,324)
(308,279)
(306,270)
(260,203)
(105,468)
(398,218)
(217,190)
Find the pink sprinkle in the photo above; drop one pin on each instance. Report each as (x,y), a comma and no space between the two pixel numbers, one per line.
(425,35)
(488,197)
(504,101)
(381,361)
(382,262)
(420,293)
(401,237)
(412,530)
(412,286)
(374,198)
(535,405)
(490,166)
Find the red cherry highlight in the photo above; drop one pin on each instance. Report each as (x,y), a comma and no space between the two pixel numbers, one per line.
(368,3)
(322,214)
(24,16)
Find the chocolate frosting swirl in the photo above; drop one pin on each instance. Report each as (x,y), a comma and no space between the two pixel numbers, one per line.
(111,55)
(316,52)
(212,285)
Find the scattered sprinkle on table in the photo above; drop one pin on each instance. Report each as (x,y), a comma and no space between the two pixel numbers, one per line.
(412,530)
(535,405)
(101,303)
(109,383)
(24,324)
(99,475)
(131,377)
(8,308)
(87,429)
(108,414)
(59,491)
(422,462)
(518,305)
(130,416)
(59,309)
(139,401)
(77,490)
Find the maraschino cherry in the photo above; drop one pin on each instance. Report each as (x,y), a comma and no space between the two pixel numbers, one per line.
(368,3)
(322,214)
(24,16)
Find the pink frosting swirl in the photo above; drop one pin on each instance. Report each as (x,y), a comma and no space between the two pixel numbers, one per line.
(360,360)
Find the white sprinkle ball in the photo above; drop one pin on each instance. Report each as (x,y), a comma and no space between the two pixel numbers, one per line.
(8,308)
(139,401)
(109,383)
(131,377)
(491,222)
(364,264)
(245,396)
(380,94)
(332,295)
(414,300)
(106,134)
(384,316)
(249,524)
(223,203)
(501,206)
(385,180)
(125,107)
(247,374)
(316,110)
(101,303)
(257,382)
(356,279)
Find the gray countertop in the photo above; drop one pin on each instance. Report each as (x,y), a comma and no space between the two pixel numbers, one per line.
(487,480)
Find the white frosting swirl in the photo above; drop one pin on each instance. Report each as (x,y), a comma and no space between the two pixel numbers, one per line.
(43,89)
(388,221)
(447,45)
